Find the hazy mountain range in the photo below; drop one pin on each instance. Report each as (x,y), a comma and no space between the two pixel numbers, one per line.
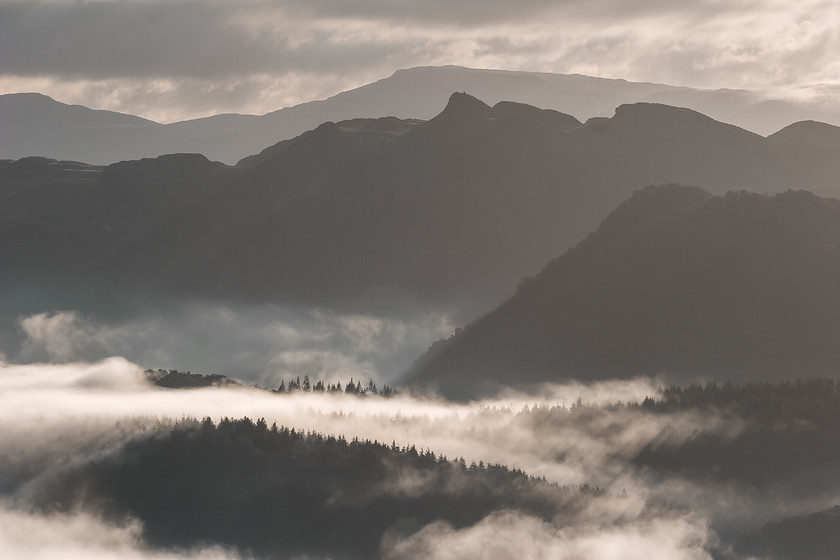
(35,125)
(448,213)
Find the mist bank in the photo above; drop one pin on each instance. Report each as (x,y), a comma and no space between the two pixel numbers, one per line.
(82,535)
(256,344)
(670,463)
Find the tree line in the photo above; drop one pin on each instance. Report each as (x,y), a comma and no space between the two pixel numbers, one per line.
(278,492)
(351,388)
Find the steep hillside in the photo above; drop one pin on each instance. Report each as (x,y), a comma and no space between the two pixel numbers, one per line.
(675,281)
(457,209)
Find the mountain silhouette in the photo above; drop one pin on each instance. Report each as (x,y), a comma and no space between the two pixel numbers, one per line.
(448,213)
(810,133)
(35,125)
(675,281)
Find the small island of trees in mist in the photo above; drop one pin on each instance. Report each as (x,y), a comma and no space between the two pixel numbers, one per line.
(174,379)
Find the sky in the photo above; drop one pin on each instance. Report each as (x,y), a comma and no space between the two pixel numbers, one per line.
(170,60)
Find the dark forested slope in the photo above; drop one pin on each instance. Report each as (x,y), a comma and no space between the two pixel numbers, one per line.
(675,281)
(278,493)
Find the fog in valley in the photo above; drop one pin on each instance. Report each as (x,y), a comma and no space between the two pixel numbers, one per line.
(55,418)
(256,344)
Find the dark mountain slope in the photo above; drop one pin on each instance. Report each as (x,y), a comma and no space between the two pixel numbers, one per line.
(675,281)
(444,206)
(277,493)
(63,224)
(810,133)
(243,242)
(38,239)
(42,187)
(143,195)
(446,213)
(459,208)
(377,208)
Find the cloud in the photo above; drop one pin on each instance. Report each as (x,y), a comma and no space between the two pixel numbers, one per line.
(81,535)
(55,417)
(38,401)
(200,57)
(64,336)
(258,344)
(210,40)
(510,535)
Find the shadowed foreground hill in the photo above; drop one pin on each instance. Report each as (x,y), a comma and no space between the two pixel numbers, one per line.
(675,281)
(277,493)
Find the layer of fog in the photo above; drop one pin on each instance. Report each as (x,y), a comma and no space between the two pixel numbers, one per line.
(500,536)
(512,535)
(80,535)
(57,416)
(259,345)
(46,398)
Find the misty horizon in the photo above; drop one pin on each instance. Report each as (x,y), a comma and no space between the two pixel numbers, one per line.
(383,281)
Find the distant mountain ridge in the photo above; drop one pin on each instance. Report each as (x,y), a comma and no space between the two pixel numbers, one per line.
(676,281)
(810,133)
(444,214)
(35,125)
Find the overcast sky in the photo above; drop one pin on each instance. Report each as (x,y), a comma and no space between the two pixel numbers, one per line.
(175,59)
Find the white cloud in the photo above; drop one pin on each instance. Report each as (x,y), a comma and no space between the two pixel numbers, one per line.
(82,536)
(171,60)
(259,344)
(63,336)
(514,536)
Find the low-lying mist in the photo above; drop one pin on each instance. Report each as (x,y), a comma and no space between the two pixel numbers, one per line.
(56,417)
(260,345)
(44,398)
(83,536)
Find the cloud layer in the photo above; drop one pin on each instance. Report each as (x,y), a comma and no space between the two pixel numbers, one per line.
(175,59)
(262,344)
(58,416)
(81,536)
(514,536)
